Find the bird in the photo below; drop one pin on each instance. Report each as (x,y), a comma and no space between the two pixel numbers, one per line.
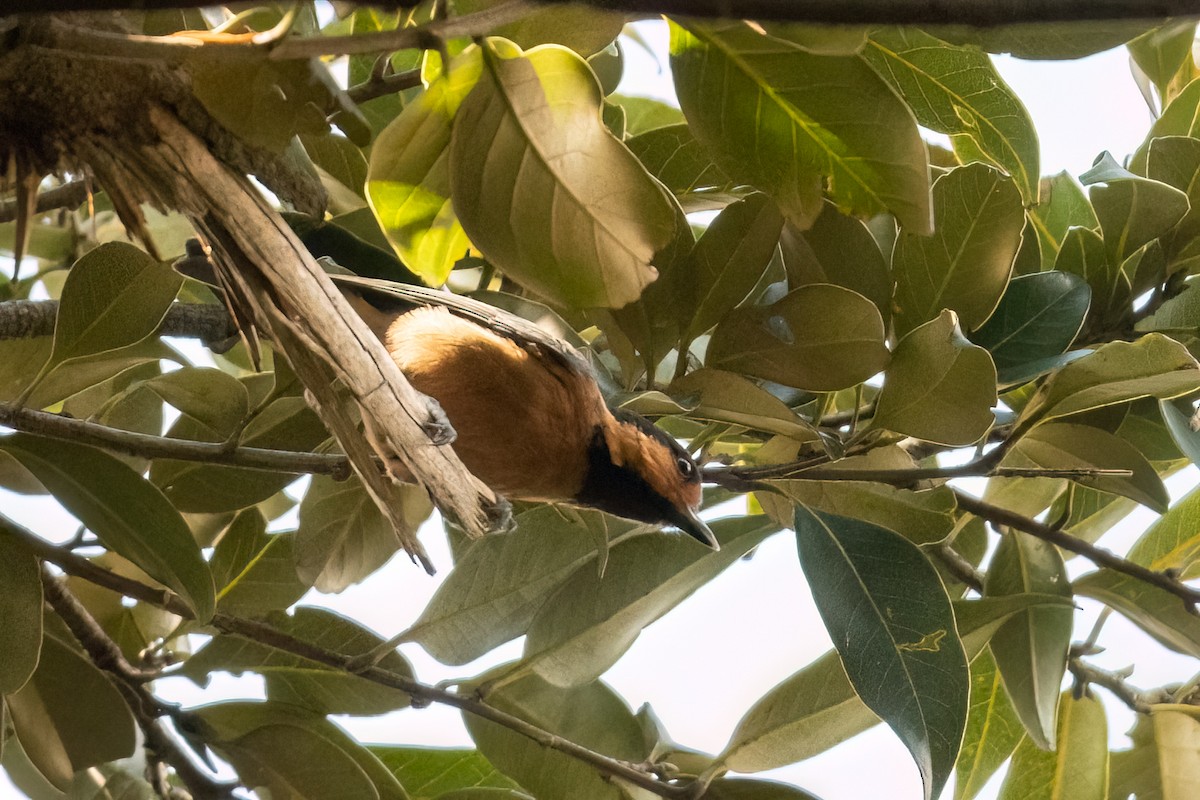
(529,417)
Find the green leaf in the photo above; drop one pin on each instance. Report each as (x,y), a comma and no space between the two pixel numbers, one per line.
(1176,730)
(591,620)
(1154,610)
(213,398)
(298,681)
(1068,446)
(790,123)
(1136,771)
(1031,648)
(1152,366)
(922,517)
(550,225)
(20,610)
(939,387)
(498,585)
(1175,160)
(593,716)
(60,734)
(1160,53)
(255,572)
(1179,118)
(1038,318)
(726,263)
(993,730)
(1082,253)
(428,772)
(674,156)
(889,616)
(294,753)
(1078,770)
(966,263)
(840,250)
(957,91)
(1131,209)
(1063,206)
(126,512)
(1173,541)
(1042,41)
(339,159)
(343,536)
(286,423)
(817,708)
(725,397)
(115,296)
(645,114)
(820,338)
(745,789)
(586,30)
(408,180)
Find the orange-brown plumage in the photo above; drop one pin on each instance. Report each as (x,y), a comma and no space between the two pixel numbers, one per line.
(529,417)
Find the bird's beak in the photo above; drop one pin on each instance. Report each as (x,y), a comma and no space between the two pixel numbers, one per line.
(690,523)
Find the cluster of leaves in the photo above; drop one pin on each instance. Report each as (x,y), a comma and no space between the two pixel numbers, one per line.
(835,246)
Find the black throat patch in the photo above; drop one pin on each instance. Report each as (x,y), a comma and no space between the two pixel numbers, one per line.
(620,490)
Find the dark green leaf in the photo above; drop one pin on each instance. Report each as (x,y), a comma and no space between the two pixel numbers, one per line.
(211,397)
(20,612)
(966,263)
(939,387)
(1175,160)
(890,618)
(1063,206)
(957,91)
(1038,318)
(550,225)
(820,337)
(1043,41)
(745,789)
(1131,209)
(1031,648)
(255,572)
(674,156)
(340,159)
(785,120)
(125,511)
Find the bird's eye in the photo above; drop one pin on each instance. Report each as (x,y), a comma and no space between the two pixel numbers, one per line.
(686,467)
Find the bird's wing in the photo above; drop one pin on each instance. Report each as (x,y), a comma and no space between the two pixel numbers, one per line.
(503,323)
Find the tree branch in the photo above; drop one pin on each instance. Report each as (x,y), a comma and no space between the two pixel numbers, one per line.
(69,195)
(380,85)
(208,322)
(147,446)
(1139,700)
(76,565)
(147,709)
(1097,555)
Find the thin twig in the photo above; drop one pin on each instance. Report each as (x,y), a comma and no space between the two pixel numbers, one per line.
(146,708)
(959,566)
(147,446)
(1097,555)
(1139,700)
(263,633)
(380,85)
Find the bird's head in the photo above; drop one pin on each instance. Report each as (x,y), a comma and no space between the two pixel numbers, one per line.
(637,471)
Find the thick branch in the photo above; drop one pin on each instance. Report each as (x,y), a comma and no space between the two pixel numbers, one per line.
(69,195)
(147,709)
(78,566)
(1097,555)
(147,446)
(208,322)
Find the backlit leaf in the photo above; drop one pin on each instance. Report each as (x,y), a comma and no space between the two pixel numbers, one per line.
(939,387)
(1173,541)
(788,121)
(966,263)
(993,730)
(580,220)
(427,772)
(1078,770)
(21,612)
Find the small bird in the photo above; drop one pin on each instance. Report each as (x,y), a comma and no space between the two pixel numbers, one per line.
(530,420)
